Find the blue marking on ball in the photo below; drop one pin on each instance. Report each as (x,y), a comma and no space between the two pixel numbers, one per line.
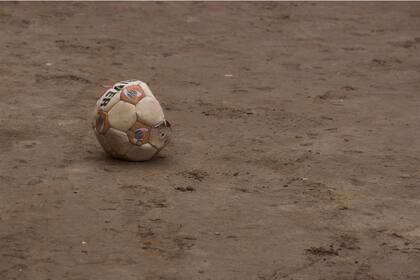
(132,93)
(100,120)
(139,135)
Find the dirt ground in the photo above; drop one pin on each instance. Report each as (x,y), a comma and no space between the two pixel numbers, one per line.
(295,154)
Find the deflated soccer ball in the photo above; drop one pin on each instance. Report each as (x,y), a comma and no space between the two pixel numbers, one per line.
(129,122)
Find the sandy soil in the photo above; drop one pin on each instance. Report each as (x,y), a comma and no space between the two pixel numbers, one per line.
(296,145)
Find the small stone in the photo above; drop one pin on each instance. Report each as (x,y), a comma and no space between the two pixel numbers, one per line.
(35,181)
(185,189)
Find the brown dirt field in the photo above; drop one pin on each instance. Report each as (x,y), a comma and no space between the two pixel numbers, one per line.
(304,164)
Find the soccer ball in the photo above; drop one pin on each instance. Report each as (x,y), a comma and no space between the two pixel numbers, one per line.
(129,122)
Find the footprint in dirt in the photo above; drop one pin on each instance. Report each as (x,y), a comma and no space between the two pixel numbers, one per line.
(62,78)
(348,242)
(8,136)
(322,251)
(192,178)
(27,144)
(405,44)
(196,174)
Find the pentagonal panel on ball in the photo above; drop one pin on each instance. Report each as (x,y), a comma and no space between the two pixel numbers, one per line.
(122,116)
(101,122)
(102,141)
(118,141)
(149,111)
(140,153)
(132,94)
(138,134)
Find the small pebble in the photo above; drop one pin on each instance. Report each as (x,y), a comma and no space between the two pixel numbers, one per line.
(35,181)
